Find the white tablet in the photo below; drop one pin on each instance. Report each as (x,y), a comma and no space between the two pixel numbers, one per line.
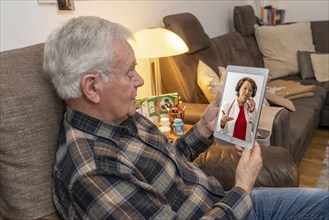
(241,105)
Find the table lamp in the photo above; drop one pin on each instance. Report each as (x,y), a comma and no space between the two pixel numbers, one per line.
(153,43)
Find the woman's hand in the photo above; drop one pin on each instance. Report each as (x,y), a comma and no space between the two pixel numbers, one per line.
(248,167)
(225,118)
(252,104)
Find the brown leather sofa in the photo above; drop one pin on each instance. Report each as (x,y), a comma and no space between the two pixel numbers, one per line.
(179,75)
(291,130)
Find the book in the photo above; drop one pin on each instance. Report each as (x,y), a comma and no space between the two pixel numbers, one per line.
(271,15)
(152,107)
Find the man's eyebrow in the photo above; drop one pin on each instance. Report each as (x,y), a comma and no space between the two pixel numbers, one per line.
(132,66)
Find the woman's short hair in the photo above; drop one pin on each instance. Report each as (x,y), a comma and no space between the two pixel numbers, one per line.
(82,45)
(240,83)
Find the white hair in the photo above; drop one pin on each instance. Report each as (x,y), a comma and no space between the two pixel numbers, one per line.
(82,45)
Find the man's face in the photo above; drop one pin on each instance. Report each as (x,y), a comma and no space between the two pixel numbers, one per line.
(118,95)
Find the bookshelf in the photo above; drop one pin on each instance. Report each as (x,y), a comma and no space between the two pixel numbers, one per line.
(270,15)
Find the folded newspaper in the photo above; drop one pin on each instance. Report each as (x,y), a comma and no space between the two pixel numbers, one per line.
(150,108)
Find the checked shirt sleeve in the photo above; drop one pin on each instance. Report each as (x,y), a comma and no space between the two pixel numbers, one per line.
(192,143)
(110,197)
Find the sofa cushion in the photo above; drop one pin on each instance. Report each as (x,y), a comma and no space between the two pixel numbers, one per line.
(300,121)
(31,115)
(316,102)
(320,64)
(305,65)
(278,169)
(279,46)
(188,27)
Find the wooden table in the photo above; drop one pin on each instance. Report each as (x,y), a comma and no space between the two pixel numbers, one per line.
(172,137)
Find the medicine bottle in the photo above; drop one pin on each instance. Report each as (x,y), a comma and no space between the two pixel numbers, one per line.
(164,126)
(178,127)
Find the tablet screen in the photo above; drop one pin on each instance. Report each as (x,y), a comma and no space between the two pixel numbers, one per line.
(241,105)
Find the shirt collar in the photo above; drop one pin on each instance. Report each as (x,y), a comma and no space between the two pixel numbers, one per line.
(97,127)
(136,126)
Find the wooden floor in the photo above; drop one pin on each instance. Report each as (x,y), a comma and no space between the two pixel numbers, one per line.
(312,162)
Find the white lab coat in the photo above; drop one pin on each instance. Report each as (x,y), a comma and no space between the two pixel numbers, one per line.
(232,109)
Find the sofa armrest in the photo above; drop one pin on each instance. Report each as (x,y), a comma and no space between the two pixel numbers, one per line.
(279,169)
(280,129)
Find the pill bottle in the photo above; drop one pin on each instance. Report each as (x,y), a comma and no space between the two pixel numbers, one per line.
(164,126)
(178,127)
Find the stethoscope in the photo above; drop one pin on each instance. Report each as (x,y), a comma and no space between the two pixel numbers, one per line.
(249,115)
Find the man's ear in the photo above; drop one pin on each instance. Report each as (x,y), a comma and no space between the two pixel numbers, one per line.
(90,85)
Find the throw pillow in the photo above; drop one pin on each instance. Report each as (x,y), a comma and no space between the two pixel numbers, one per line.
(222,73)
(305,65)
(320,64)
(279,46)
(208,81)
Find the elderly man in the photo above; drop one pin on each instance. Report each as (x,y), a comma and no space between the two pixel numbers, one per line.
(113,163)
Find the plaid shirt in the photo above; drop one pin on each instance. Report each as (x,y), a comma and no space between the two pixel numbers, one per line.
(131,171)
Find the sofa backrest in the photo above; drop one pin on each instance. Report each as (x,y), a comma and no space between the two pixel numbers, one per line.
(320,34)
(179,73)
(244,20)
(31,115)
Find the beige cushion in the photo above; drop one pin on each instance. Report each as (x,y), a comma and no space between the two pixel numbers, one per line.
(320,64)
(31,115)
(222,73)
(208,81)
(279,46)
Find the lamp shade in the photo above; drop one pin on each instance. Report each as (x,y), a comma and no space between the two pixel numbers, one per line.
(156,43)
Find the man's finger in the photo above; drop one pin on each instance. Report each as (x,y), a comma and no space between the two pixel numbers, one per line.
(245,154)
(216,101)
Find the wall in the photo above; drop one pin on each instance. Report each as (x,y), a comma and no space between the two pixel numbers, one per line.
(304,10)
(28,22)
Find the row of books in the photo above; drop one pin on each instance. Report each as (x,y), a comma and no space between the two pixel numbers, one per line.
(153,107)
(271,15)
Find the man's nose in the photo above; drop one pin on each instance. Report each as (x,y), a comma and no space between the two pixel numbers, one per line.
(139,80)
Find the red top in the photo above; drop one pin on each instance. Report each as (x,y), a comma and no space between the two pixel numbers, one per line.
(240,127)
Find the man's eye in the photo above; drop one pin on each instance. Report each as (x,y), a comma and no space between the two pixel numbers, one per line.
(130,75)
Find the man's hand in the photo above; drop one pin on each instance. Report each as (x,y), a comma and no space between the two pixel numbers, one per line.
(206,125)
(248,167)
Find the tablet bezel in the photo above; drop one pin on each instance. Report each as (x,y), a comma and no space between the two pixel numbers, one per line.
(235,72)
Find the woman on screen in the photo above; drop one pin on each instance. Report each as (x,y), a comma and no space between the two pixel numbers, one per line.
(238,117)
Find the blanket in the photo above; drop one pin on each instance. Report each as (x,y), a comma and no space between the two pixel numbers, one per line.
(290,89)
(267,117)
(265,125)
